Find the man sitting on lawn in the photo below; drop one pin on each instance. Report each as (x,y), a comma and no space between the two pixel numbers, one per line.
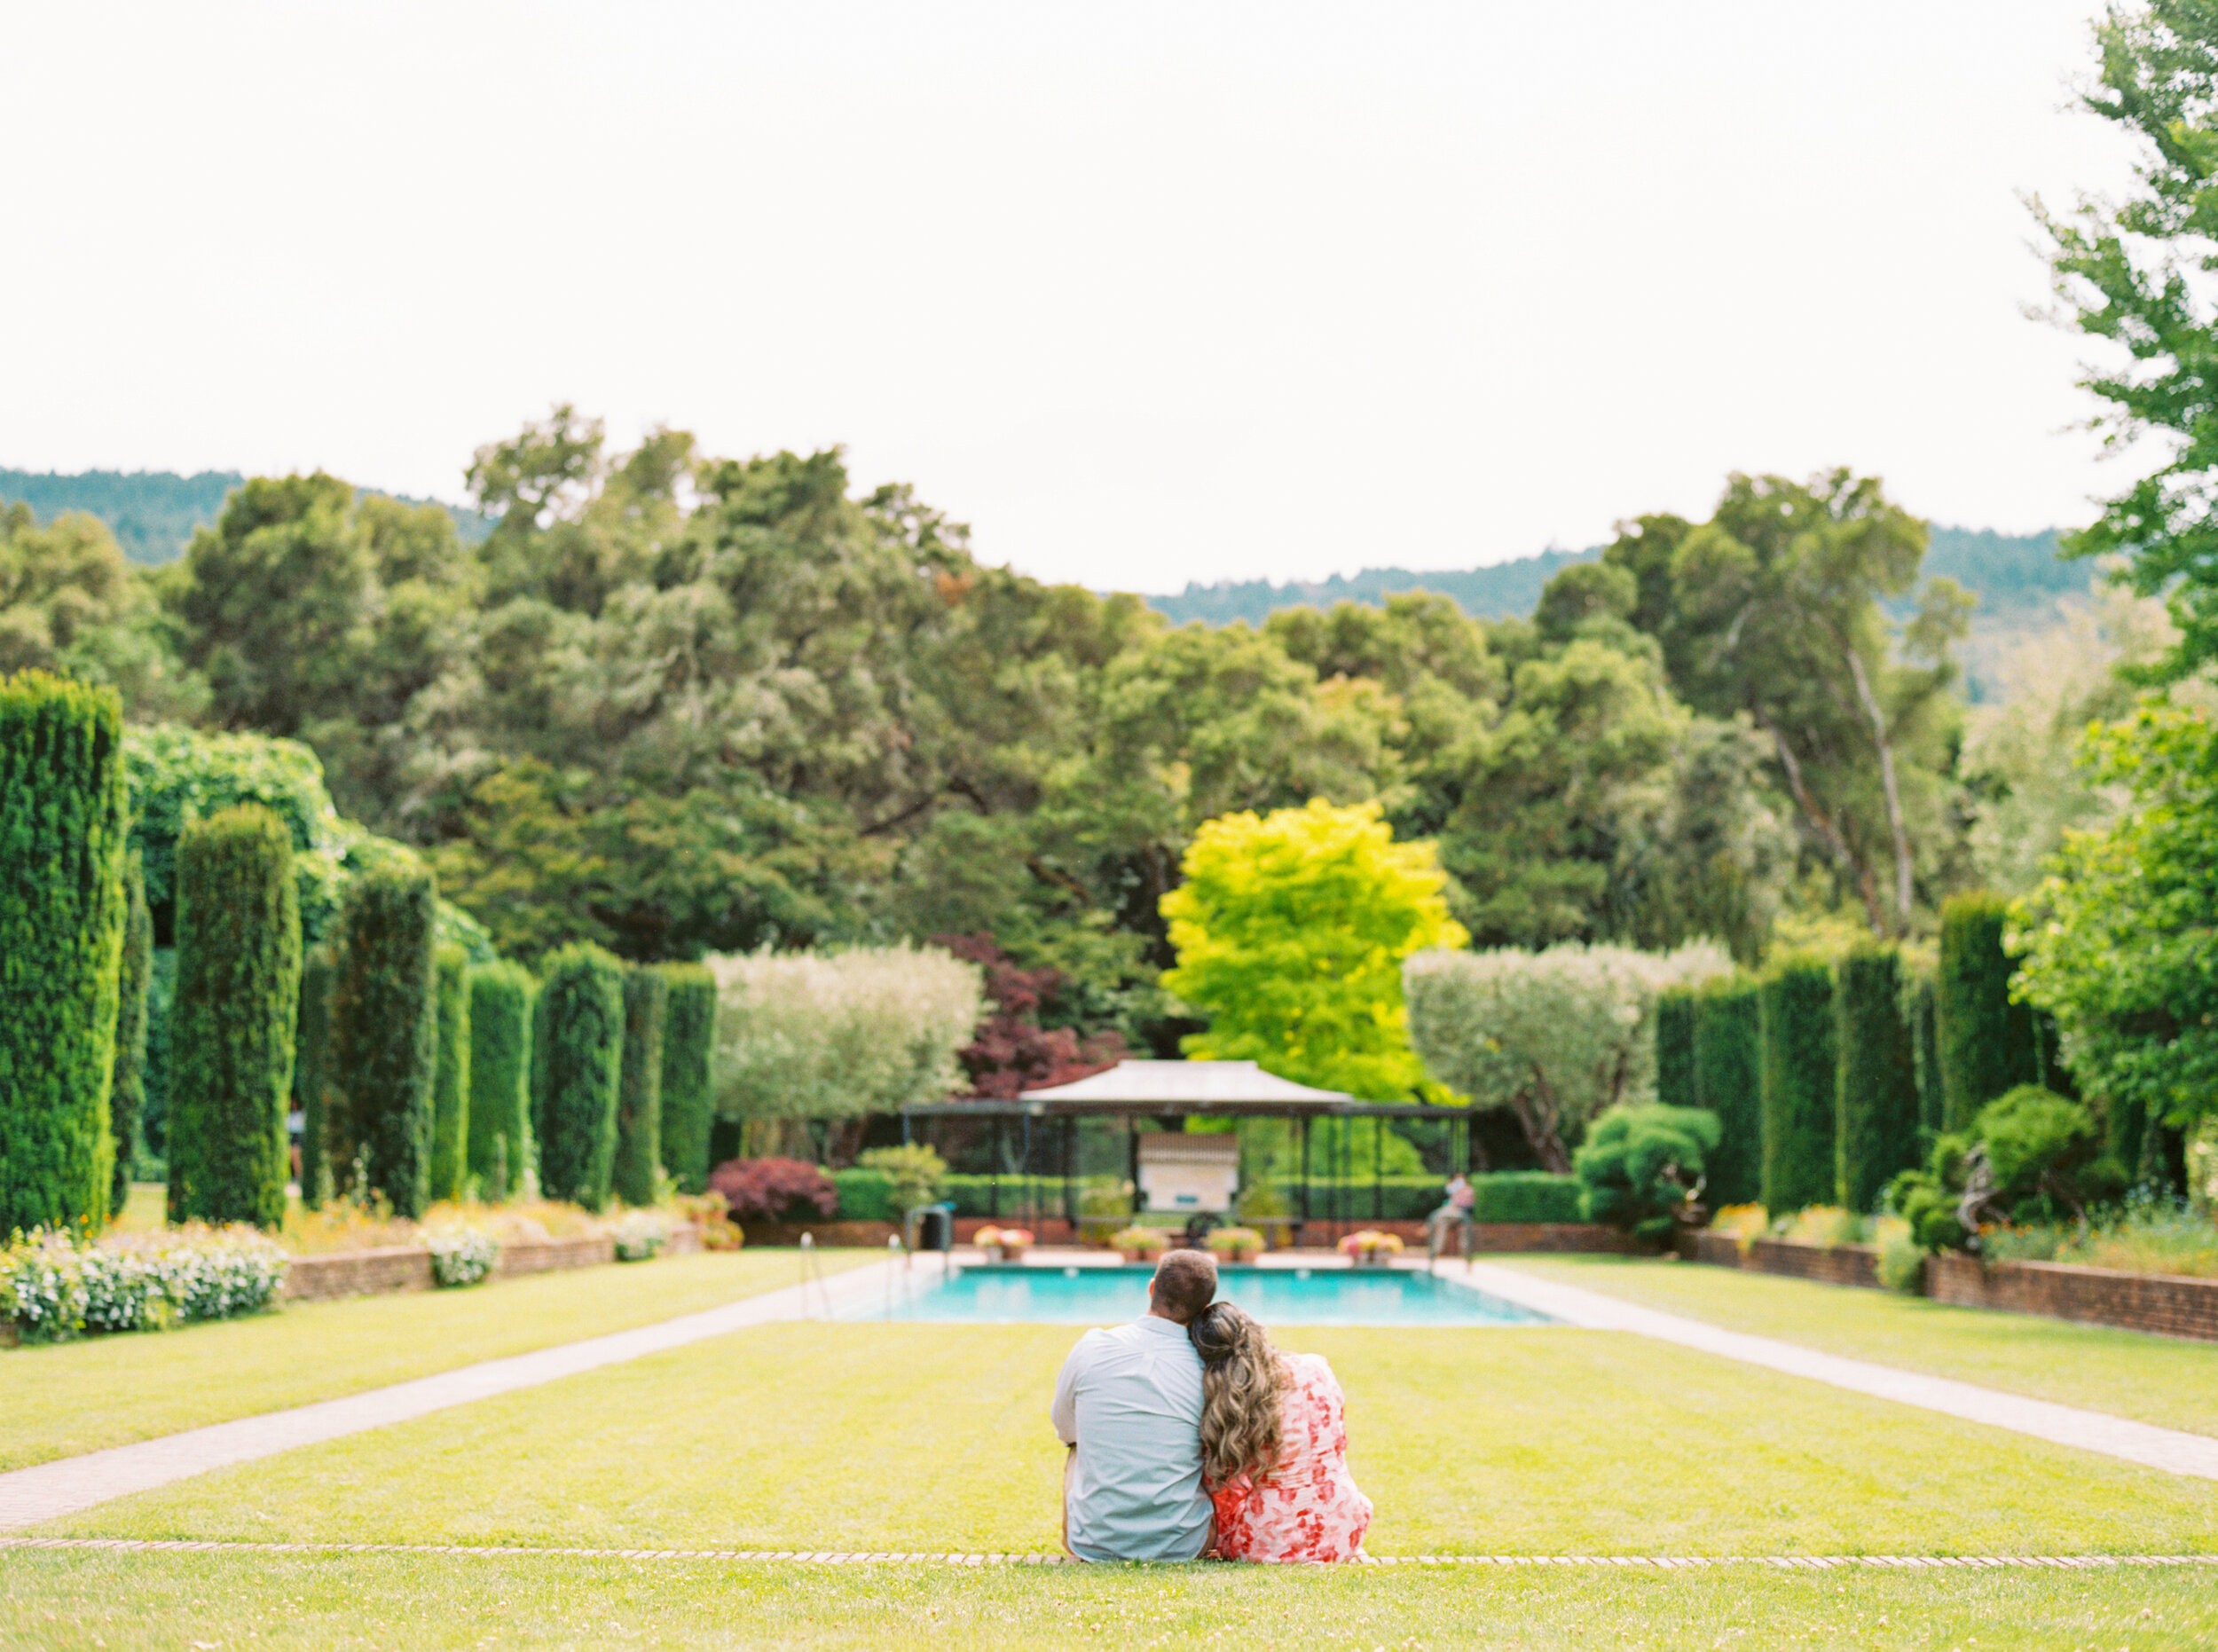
(1128,1406)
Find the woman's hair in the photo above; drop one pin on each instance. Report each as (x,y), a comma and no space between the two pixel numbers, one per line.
(1244,1385)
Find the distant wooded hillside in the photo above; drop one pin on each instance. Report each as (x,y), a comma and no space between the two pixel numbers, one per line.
(152,513)
(2010,574)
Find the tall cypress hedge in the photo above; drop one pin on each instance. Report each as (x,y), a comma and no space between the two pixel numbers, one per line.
(1729,1081)
(1798,1082)
(450,1085)
(576,1059)
(311,1072)
(1876,1100)
(1933,1106)
(127,1090)
(500,1060)
(689,1100)
(62,820)
(231,1030)
(1675,1048)
(639,1108)
(161,988)
(384,1036)
(1986,1041)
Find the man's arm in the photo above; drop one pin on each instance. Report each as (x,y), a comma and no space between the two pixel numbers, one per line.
(1064,1413)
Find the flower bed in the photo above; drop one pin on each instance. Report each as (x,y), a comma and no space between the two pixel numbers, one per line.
(52,1288)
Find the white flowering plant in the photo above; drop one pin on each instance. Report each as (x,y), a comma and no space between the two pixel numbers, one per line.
(459,1255)
(640,1235)
(42,1287)
(54,1286)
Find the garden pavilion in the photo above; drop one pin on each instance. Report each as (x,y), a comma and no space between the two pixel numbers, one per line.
(1151,1099)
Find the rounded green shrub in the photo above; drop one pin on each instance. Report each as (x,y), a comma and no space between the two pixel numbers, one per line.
(384,1034)
(451,1085)
(689,1099)
(1729,1081)
(1986,1042)
(62,825)
(639,1107)
(1875,1103)
(1640,1166)
(127,1091)
(1798,1083)
(231,1023)
(500,1070)
(576,1060)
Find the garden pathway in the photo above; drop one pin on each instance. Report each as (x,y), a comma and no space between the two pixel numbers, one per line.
(50,1490)
(2169,1448)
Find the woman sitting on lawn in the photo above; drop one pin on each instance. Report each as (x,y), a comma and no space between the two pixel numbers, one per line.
(1274,1447)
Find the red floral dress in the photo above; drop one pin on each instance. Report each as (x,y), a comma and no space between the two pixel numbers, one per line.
(1308,1509)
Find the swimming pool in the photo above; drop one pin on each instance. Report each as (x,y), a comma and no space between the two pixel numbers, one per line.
(993,1294)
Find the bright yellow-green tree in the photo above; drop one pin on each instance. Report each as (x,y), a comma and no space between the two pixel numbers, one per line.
(1291,928)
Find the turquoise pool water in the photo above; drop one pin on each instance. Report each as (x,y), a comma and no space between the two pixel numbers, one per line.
(1016,1296)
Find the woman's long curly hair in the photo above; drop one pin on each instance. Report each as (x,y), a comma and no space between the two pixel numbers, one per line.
(1244,1385)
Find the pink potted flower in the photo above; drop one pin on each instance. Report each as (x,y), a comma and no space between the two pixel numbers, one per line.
(1371,1248)
(1003,1244)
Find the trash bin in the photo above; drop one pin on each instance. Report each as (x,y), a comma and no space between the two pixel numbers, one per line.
(935,1228)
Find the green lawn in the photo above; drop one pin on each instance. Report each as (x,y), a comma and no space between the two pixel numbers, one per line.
(2153,1378)
(448,1604)
(81,1396)
(934,1437)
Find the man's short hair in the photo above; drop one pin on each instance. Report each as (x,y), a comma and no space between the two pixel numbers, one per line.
(1185,1283)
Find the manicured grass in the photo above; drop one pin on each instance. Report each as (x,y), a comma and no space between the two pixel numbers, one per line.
(447,1603)
(934,1437)
(82,1396)
(2151,1379)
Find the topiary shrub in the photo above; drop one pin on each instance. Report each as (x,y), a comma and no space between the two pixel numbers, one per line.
(1641,1168)
(689,1094)
(311,1072)
(2031,1156)
(576,1059)
(500,1070)
(127,1089)
(638,1106)
(62,824)
(1986,1042)
(1798,1082)
(1875,1102)
(1729,1081)
(774,1190)
(1675,1048)
(384,1032)
(450,1082)
(231,1023)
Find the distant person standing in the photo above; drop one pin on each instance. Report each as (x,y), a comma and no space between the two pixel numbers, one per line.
(1461,1197)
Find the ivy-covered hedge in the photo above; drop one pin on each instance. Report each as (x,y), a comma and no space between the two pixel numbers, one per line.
(384,1031)
(689,1099)
(311,1072)
(1875,1102)
(1675,1011)
(62,824)
(639,1104)
(500,1071)
(1986,1041)
(231,1025)
(1729,1081)
(127,1090)
(450,1083)
(576,1059)
(1799,1085)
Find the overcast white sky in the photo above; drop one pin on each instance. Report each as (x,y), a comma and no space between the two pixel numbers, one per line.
(1144,293)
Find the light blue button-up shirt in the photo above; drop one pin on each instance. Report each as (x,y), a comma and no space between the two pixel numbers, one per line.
(1130,1398)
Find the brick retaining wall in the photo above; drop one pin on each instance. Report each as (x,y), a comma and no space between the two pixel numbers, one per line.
(2168,1304)
(358,1273)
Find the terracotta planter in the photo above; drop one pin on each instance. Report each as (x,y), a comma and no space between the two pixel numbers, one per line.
(1009,1253)
(1374,1259)
(1149,1257)
(1237,1258)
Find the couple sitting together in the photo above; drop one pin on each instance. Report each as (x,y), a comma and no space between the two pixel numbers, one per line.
(1192,1437)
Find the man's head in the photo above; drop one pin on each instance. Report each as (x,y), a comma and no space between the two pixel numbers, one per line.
(1186,1281)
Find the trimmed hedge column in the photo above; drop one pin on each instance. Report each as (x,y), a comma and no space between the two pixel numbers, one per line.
(500,1067)
(63,815)
(1875,1103)
(1675,1048)
(451,1086)
(311,1072)
(1798,1082)
(384,1037)
(577,1058)
(639,1108)
(689,1102)
(1729,1080)
(1986,1041)
(231,1032)
(1933,1107)
(127,1090)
